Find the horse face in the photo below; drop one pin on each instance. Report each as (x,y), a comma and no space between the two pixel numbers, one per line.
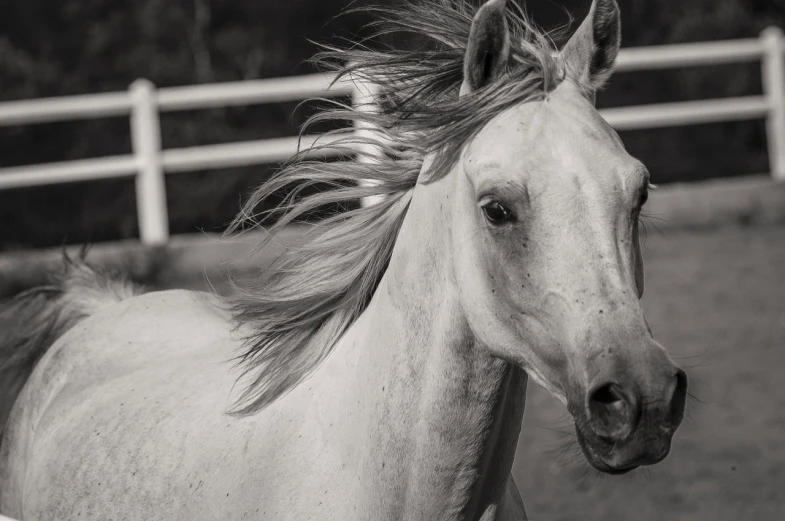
(548,264)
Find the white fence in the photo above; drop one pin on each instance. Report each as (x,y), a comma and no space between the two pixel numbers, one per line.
(149,162)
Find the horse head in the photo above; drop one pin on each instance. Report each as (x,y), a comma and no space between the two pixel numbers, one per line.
(547,260)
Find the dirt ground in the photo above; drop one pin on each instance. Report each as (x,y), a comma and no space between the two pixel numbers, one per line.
(716,300)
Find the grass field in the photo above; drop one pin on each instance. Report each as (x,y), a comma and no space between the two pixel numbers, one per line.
(716,300)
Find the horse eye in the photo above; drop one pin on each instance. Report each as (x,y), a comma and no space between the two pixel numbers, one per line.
(495,213)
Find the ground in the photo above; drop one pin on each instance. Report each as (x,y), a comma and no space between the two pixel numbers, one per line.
(716,300)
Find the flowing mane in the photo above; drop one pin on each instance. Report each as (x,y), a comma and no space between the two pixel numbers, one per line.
(300,306)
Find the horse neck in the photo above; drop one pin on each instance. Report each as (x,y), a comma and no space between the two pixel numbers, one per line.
(441,414)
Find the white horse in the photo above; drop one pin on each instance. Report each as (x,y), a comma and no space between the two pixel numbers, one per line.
(383,362)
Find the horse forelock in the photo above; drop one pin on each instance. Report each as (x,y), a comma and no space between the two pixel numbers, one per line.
(299,307)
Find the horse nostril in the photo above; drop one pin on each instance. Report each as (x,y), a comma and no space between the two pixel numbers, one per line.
(606,395)
(678,399)
(611,412)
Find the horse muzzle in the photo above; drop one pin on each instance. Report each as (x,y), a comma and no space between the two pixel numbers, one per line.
(620,426)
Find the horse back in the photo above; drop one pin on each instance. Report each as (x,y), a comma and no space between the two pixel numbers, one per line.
(96,361)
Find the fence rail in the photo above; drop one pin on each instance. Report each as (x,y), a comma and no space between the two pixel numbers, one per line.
(149,162)
(690,55)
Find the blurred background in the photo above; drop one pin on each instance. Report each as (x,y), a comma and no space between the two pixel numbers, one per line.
(89,46)
(715,287)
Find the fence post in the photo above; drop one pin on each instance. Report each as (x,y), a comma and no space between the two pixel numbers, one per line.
(774,89)
(364,100)
(150,184)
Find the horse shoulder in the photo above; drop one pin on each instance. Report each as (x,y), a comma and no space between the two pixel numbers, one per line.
(151,333)
(142,381)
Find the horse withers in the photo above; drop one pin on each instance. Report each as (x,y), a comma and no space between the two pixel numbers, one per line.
(378,370)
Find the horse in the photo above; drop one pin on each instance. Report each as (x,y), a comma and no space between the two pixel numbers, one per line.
(378,368)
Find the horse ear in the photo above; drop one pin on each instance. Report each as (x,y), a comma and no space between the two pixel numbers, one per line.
(590,54)
(488,49)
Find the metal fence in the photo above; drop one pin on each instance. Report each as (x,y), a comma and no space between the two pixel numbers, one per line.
(149,162)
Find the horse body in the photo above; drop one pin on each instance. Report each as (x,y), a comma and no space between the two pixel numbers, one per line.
(144,384)
(383,365)
(406,419)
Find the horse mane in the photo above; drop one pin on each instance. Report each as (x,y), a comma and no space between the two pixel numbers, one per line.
(298,307)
